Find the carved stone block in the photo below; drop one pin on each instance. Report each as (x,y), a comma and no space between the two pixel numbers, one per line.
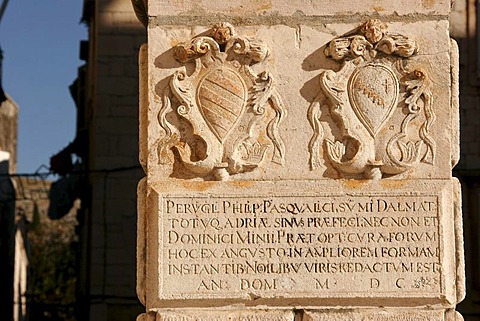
(324,244)
(219,315)
(299,162)
(297,8)
(377,315)
(286,126)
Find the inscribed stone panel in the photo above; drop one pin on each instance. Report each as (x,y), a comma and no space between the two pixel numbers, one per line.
(308,241)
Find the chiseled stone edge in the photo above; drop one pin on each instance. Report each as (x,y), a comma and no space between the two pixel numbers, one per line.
(292,21)
(296,8)
(289,315)
(452,315)
(382,315)
(141,240)
(149,316)
(459,247)
(455,103)
(222,315)
(143,106)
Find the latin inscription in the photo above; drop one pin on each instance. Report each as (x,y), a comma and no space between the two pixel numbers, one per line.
(307,245)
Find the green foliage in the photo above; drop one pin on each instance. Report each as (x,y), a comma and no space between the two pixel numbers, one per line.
(52,267)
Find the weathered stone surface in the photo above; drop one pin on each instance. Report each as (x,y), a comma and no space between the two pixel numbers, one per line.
(459,243)
(143,106)
(141,237)
(452,315)
(219,315)
(298,8)
(454,61)
(294,161)
(347,242)
(300,90)
(149,316)
(376,315)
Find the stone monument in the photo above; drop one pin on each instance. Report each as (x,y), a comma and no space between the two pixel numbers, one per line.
(298,161)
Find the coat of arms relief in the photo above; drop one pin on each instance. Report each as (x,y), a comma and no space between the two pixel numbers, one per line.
(223,118)
(380,107)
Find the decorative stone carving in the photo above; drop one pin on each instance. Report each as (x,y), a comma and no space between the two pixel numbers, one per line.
(222,119)
(381,108)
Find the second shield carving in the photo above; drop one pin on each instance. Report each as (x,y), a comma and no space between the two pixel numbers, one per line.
(381,108)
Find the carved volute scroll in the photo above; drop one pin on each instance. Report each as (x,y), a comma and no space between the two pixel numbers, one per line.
(222,119)
(381,108)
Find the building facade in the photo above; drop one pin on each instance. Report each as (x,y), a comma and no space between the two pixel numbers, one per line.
(106,94)
(8,130)
(13,240)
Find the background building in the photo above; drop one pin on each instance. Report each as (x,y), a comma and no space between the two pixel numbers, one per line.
(106,95)
(13,240)
(8,156)
(9,129)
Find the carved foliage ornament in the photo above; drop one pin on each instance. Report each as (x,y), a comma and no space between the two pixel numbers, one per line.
(381,112)
(223,118)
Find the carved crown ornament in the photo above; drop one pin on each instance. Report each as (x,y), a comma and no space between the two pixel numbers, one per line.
(222,119)
(380,110)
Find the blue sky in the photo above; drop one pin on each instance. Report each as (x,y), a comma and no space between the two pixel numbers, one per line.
(40,42)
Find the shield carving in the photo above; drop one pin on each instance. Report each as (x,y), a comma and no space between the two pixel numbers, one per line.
(221,97)
(373,92)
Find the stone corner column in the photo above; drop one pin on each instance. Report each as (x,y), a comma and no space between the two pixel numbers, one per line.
(298,161)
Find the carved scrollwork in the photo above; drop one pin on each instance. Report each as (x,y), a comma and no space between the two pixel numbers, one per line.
(368,40)
(223,118)
(382,113)
(411,151)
